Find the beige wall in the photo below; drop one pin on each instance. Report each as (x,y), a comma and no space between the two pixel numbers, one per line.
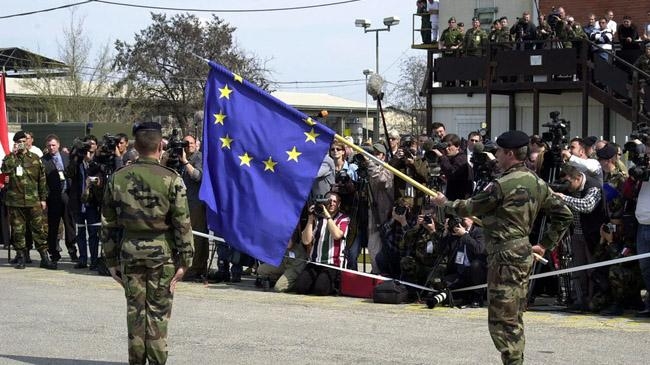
(462,114)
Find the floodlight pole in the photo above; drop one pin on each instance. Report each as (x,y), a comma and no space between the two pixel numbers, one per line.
(388,22)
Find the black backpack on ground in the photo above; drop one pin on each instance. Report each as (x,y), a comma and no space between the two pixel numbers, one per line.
(390,292)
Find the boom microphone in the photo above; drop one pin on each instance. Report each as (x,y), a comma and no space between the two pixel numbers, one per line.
(375,83)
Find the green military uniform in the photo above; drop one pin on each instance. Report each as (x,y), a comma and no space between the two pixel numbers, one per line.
(26,189)
(508,207)
(544,31)
(451,37)
(643,63)
(145,223)
(475,42)
(421,251)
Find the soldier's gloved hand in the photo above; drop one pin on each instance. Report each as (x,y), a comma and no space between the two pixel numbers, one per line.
(116,274)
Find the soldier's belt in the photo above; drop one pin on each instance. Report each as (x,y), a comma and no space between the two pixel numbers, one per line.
(508,245)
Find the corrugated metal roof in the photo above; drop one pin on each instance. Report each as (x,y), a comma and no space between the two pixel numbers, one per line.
(319,100)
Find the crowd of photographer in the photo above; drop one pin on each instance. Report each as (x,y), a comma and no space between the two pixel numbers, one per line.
(357,205)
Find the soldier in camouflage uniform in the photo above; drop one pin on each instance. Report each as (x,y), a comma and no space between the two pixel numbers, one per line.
(420,250)
(475,39)
(451,39)
(620,283)
(146,223)
(508,207)
(25,200)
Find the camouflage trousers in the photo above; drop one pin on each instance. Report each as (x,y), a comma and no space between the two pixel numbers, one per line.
(148,309)
(507,286)
(22,218)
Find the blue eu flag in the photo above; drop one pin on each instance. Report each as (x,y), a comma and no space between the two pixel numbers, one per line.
(260,159)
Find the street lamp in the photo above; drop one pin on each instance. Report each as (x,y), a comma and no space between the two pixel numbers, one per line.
(367,72)
(365,24)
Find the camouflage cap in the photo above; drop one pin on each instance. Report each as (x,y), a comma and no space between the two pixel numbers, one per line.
(150,126)
(512,139)
(607,152)
(19,135)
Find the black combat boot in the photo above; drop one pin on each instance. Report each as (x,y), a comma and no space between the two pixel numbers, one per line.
(20,260)
(28,260)
(46,263)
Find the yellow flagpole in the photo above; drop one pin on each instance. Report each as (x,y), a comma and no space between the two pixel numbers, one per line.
(388,167)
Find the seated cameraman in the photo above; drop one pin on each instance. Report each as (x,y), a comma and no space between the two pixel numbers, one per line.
(391,232)
(421,249)
(455,167)
(467,261)
(86,182)
(324,235)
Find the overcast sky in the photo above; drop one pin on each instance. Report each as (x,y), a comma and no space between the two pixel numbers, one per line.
(301,45)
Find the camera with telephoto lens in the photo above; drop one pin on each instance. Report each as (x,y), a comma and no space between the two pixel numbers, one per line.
(400,209)
(428,219)
(319,207)
(454,222)
(405,146)
(80,148)
(342,177)
(609,228)
(175,148)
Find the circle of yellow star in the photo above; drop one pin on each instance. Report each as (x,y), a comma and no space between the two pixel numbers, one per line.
(238,78)
(219,117)
(245,159)
(270,164)
(226,141)
(311,136)
(225,92)
(293,154)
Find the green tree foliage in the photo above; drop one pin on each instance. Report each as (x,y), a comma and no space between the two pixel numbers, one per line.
(163,68)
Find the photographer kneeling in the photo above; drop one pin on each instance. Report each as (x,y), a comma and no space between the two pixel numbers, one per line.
(325,234)
(467,258)
(421,249)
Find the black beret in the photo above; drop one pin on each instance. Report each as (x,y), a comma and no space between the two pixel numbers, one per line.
(474,19)
(461,24)
(149,126)
(452,19)
(607,152)
(19,135)
(590,141)
(512,139)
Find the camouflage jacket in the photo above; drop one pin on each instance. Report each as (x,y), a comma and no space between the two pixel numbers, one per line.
(643,63)
(475,41)
(415,242)
(27,186)
(451,37)
(613,191)
(145,216)
(508,207)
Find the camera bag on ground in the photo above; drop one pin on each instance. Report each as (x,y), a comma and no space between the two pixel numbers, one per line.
(390,292)
(358,286)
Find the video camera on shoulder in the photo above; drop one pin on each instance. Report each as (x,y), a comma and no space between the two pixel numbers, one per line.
(80,147)
(175,148)
(318,207)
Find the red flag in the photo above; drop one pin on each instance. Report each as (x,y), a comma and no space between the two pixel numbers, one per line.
(4,130)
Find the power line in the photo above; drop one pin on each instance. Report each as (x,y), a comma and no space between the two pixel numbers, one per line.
(45,10)
(225,10)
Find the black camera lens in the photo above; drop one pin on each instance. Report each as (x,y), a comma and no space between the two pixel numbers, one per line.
(400,210)
(428,219)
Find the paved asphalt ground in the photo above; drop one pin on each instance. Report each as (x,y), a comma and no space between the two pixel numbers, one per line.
(76,317)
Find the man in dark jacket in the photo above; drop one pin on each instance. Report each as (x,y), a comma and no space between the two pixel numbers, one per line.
(455,168)
(55,162)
